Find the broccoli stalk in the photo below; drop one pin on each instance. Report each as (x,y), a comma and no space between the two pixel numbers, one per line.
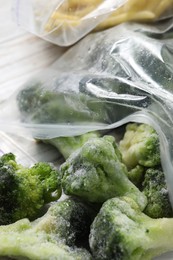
(68,145)
(24,191)
(96,173)
(48,237)
(140,145)
(121,231)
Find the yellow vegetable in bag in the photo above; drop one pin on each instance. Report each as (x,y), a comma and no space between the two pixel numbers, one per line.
(64,22)
(73,12)
(138,10)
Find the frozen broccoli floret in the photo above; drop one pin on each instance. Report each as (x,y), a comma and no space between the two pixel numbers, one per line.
(68,145)
(73,219)
(23,190)
(136,175)
(140,145)
(8,157)
(156,191)
(48,237)
(121,231)
(96,173)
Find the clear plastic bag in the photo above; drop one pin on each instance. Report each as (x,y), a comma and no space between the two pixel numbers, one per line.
(110,78)
(106,80)
(64,22)
(9,145)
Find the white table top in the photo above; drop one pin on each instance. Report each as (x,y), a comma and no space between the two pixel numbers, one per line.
(21,55)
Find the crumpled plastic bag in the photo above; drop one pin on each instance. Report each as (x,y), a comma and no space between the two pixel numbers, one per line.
(64,22)
(120,75)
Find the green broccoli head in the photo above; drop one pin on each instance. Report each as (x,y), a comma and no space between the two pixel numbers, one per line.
(48,237)
(24,191)
(95,173)
(69,220)
(156,191)
(140,145)
(136,175)
(7,158)
(8,193)
(49,178)
(121,231)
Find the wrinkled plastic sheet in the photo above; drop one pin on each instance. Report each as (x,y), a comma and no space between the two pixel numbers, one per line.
(123,74)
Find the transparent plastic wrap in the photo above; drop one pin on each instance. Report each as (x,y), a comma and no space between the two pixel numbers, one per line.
(64,22)
(8,145)
(108,79)
(120,75)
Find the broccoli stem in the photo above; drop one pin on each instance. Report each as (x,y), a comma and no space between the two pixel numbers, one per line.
(160,233)
(69,144)
(120,184)
(29,246)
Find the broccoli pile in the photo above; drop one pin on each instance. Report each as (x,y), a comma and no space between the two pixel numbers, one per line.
(24,191)
(114,204)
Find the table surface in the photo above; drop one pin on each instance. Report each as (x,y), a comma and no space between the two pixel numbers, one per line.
(21,55)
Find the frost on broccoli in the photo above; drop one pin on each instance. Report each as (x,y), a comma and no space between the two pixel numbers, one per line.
(96,173)
(121,231)
(73,219)
(53,236)
(24,191)
(155,189)
(140,145)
